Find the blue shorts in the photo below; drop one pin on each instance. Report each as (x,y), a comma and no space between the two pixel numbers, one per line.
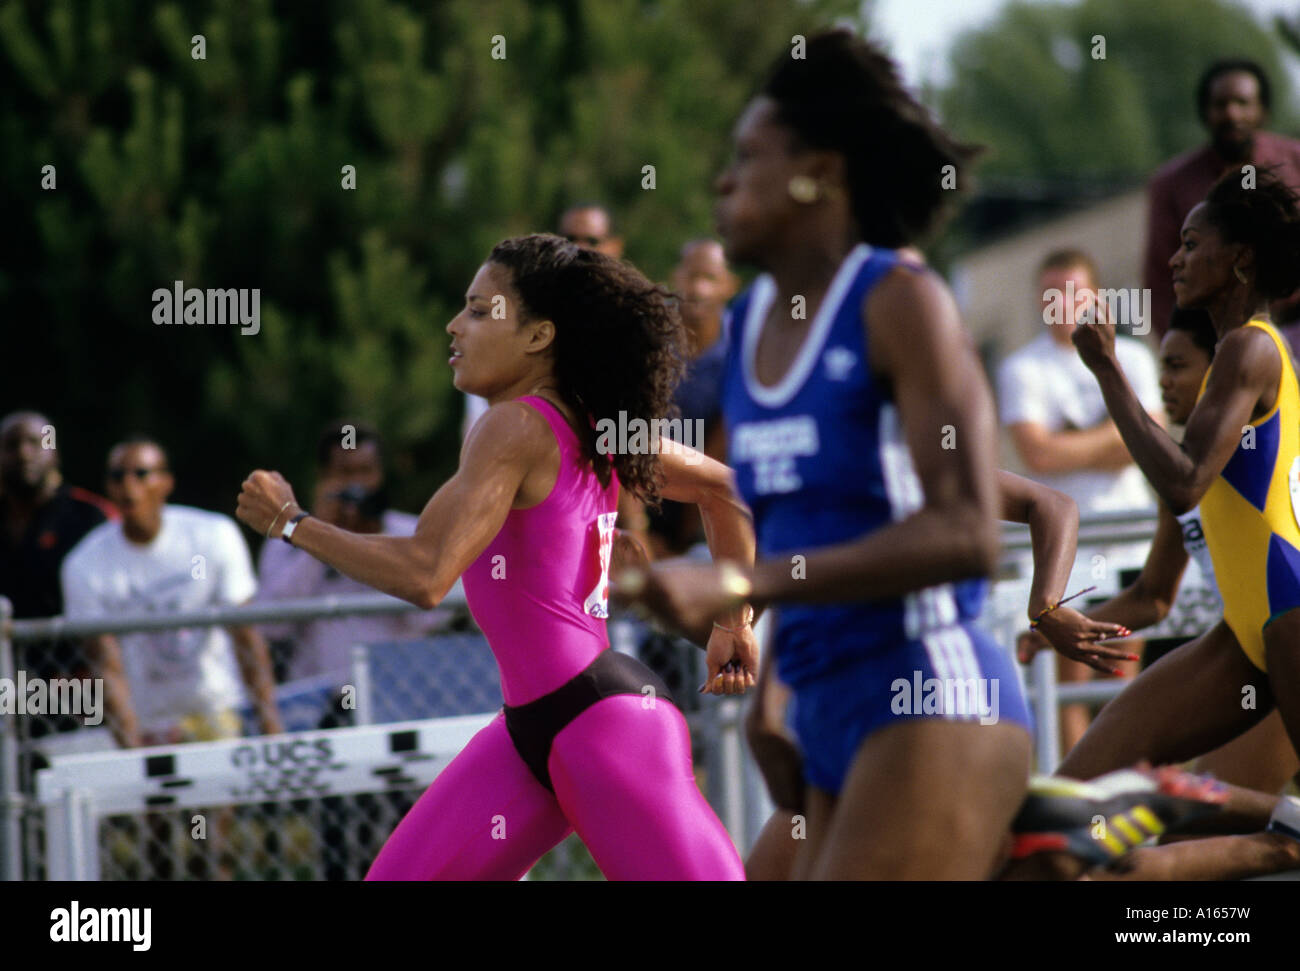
(958,673)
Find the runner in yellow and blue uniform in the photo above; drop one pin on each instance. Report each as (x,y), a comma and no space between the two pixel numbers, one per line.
(1249,515)
(1239,458)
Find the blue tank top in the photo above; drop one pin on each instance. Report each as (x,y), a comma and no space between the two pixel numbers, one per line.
(821,459)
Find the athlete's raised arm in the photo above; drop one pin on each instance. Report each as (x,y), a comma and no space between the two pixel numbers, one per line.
(1053,520)
(691,476)
(1242,384)
(499,464)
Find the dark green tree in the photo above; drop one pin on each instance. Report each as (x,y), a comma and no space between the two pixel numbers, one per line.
(463,122)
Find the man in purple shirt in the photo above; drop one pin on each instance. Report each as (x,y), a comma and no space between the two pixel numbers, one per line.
(1233,101)
(350,494)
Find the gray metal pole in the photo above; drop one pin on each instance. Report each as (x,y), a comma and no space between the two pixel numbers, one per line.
(1047,714)
(731,768)
(758,805)
(365,710)
(12,802)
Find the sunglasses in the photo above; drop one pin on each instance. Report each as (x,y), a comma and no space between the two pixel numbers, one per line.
(588,240)
(117,475)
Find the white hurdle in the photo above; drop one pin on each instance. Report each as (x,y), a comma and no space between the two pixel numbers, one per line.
(78,790)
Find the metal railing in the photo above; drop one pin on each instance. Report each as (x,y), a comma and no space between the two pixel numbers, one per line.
(1117,527)
(1046,694)
(732,779)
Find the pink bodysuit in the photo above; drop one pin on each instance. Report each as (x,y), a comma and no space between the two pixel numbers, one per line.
(620,768)
(544,578)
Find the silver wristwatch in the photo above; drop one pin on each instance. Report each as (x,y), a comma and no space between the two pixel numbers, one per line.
(291,525)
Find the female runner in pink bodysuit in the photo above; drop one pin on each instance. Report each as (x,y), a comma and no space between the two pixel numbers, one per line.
(557,338)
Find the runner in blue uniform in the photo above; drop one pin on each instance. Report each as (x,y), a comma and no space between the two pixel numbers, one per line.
(862,432)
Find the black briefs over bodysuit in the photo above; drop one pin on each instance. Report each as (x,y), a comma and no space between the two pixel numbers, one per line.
(533,726)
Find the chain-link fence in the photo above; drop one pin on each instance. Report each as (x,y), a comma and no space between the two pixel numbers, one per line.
(314,803)
(319,801)
(309,831)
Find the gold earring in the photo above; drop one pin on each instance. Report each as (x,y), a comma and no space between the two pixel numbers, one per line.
(1240,276)
(803,189)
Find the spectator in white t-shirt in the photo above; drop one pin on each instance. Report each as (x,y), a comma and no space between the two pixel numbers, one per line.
(1053,408)
(349,494)
(170,686)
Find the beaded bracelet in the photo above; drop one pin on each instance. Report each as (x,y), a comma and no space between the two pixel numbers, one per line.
(1033,624)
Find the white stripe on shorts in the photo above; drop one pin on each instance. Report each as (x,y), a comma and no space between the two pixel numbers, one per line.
(952,655)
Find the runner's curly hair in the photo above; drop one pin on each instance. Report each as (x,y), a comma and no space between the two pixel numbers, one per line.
(619,343)
(1267,219)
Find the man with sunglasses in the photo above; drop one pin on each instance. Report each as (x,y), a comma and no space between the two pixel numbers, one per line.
(163,687)
(351,494)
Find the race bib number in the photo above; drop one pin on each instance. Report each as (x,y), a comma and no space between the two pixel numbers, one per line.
(597,602)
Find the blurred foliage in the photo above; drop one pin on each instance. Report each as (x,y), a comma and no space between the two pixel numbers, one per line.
(1027,85)
(227,171)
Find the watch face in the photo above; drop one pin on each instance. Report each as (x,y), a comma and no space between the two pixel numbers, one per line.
(290,526)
